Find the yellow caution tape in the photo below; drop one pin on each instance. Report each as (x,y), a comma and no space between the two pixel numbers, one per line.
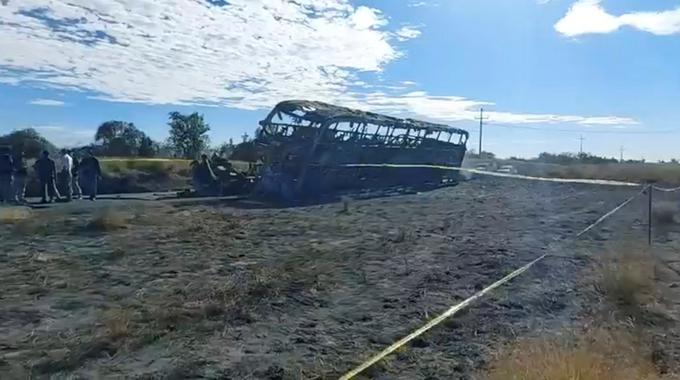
(454,309)
(610,213)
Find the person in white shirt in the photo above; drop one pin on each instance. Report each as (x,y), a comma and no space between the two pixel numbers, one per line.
(66,174)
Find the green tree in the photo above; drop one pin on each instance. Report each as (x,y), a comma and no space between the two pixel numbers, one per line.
(571,158)
(165,149)
(29,141)
(188,134)
(121,138)
(225,150)
(110,130)
(147,147)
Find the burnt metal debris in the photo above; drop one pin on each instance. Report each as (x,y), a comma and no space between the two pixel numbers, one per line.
(309,148)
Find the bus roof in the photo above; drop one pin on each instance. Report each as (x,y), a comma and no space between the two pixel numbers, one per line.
(320,112)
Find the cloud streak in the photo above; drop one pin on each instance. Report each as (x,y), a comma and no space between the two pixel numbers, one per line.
(246,54)
(47,102)
(407,32)
(454,109)
(589,17)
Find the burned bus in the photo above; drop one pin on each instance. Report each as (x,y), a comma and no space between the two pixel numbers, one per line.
(309,148)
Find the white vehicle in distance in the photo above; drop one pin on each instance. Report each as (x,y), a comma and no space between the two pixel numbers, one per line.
(480,168)
(507,169)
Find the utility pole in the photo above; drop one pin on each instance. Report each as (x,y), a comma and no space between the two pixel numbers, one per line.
(580,152)
(621,157)
(650,189)
(481,129)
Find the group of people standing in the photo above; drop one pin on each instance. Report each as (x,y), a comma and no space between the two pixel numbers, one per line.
(75,177)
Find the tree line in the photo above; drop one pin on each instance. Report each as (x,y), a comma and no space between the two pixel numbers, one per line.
(188,139)
(575,158)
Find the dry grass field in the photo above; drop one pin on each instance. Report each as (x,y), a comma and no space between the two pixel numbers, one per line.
(179,289)
(150,165)
(638,173)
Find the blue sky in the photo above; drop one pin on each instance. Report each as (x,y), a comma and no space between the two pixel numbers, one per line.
(546,72)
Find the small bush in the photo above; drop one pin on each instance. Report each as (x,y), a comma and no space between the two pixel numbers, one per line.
(627,277)
(34,226)
(107,221)
(117,324)
(664,213)
(594,355)
(14,215)
(169,317)
(250,288)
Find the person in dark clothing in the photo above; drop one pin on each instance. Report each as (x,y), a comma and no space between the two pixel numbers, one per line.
(90,172)
(77,191)
(6,175)
(47,175)
(20,177)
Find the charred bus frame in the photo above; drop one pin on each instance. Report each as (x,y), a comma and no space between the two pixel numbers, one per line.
(309,147)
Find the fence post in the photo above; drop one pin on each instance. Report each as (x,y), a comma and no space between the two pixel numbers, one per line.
(650,190)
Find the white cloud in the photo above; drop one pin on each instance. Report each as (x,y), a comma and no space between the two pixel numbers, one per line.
(64,136)
(453,108)
(367,18)
(419,4)
(407,33)
(589,17)
(47,102)
(246,54)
